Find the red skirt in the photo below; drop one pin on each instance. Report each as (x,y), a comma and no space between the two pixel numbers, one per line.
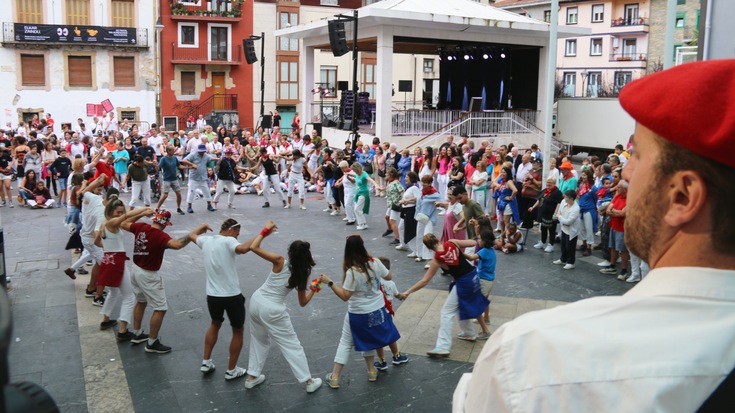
(112,269)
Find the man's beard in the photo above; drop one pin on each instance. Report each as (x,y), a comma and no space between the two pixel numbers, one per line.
(643,221)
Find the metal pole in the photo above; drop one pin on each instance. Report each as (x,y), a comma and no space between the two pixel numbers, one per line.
(707,30)
(262,74)
(670,28)
(551,83)
(354,83)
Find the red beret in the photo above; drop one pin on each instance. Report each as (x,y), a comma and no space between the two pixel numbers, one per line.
(691,105)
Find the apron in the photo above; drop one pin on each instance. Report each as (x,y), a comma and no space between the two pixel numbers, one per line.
(472,303)
(374,330)
(409,223)
(112,269)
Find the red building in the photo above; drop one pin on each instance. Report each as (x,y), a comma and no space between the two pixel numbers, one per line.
(203,69)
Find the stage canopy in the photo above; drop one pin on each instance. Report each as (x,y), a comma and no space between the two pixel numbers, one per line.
(445,28)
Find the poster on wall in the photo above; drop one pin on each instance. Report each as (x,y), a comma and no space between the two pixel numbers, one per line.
(73,34)
(107,105)
(91,109)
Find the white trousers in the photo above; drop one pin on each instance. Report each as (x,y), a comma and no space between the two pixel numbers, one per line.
(86,256)
(275,182)
(296,180)
(479,197)
(421,230)
(588,233)
(441,182)
(121,177)
(346,343)
(192,190)
(359,216)
(410,244)
(270,321)
(124,292)
(639,268)
(144,186)
(350,205)
(449,311)
(328,195)
(221,184)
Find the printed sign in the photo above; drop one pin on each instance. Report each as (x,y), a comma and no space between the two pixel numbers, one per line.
(107,105)
(48,33)
(91,109)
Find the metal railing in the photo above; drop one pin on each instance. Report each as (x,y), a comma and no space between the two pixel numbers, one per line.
(625,56)
(226,8)
(424,122)
(203,54)
(214,102)
(629,21)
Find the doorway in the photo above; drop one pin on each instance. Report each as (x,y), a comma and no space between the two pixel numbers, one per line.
(218,90)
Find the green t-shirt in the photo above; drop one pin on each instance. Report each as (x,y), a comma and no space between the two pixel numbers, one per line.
(471,210)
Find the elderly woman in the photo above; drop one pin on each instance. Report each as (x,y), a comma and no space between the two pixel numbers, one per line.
(587,206)
(548,205)
(393,214)
(379,168)
(568,217)
(392,157)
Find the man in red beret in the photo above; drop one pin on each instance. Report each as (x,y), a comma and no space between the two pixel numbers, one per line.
(668,344)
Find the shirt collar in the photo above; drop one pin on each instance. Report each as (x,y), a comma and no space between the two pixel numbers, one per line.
(696,282)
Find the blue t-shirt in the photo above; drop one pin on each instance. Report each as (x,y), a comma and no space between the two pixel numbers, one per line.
(486,266)
(121,166)
(168,166)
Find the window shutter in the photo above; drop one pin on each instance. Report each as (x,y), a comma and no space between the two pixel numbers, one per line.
(188,85)
(122,14)
(80,71)
(77,12)
(124,71)
(30,11)
(33,71)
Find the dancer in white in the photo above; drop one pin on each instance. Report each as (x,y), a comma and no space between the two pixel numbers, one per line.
(350,190)
(267,316)
(269,176)
(296,177)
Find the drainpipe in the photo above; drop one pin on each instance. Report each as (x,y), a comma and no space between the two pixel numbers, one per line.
(707,30)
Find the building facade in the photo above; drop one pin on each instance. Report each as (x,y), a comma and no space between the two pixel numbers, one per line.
(687,22)
(203,63)
(73,58)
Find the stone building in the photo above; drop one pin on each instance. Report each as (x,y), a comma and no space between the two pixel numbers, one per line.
(687,21)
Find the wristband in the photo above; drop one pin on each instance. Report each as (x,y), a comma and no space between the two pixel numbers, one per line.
(265,232)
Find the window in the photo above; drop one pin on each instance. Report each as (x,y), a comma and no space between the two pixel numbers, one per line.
(594,82)
(676,48)
(571,15)
(124,71)
(328,78)
(80,71)
(681,18)
(596,47)
(123,14)
(597,13)
(622,79)
(547,16)
(329,2)
(629,48)
(187,34)
(368,79)
(218,43)
(681,2)
(130,115)
(631,14)
(570,84)
(33,71)
(188,83)
(30,11)
(285,43)
(77,12)
(571,49)
(366,2)
(288,80)
(428,65)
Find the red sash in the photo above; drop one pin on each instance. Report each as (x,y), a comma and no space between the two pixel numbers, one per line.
(112,269)
(388,304)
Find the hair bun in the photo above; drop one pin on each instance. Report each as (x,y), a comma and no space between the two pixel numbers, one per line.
(112,197)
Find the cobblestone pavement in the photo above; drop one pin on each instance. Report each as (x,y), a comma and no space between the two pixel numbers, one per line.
(57,342)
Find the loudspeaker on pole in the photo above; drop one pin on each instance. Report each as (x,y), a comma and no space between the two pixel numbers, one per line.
(249,46)
(337,40)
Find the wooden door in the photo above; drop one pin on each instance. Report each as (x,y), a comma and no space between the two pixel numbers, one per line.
(218,90)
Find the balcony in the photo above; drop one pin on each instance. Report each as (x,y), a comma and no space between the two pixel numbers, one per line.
(203,55)
(629,21)
(46,35)
(626,57)
(218,10)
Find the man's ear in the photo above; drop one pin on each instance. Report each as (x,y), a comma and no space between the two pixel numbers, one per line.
(687,193)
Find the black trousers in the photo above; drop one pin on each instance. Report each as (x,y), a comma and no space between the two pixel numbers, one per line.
(339,196)
(550,232)
(568,248)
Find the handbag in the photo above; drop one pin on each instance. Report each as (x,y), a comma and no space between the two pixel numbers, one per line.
(368,167)
(422,218)
(381,173)
(396,207)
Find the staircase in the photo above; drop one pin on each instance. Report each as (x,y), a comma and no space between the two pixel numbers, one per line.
(218,110)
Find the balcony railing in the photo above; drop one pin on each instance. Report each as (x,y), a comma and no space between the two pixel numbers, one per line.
(204,55)
(628,56)
(221,9)
(629,21)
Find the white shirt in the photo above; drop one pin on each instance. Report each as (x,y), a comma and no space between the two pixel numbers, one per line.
(390,289)
(298,144)
(664,346)
(21,131)
(201,123)
(192,145)
(76,149)
(219,264)
(297,167)
(555,173)
(275,289)
(93,214)
(155,142)
(85,132)
(365,298)
(570,222)
(350,187)
(410,193)
(112,124)
(523,170)
(477,175)
(214,147)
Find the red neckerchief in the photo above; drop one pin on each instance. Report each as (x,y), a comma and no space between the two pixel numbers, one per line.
(286,145)
(327,160)
(430,191)
(449,256)
(502,183)
(388,304)
(566,178)
(264,157)
(584,189)
(297,140)
(548,191)
(393,180)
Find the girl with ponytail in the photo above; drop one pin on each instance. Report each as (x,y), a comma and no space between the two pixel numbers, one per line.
(267,315)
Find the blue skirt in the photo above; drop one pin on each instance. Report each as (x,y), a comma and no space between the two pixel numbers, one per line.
(469,292)
(374,330)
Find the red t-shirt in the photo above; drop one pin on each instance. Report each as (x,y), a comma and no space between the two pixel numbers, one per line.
(617,223)
(150,244)
(101,168)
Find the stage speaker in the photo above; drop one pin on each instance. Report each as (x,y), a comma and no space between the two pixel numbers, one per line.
(476,105)
(405,86)
(318,128)
(330,123)
(266,122)
(347,125)
(337,40)
(249,46)
(343,85)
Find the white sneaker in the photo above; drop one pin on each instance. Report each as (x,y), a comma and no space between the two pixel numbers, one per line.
(335,213)
(287,206)
(249,384)
(549,248)
(539,245)
(214,205)
(633,279)
(326,209)
(273,191)
(558,262)
(236,373)
(231,206)
(361,227)
(345,219)
(402,248)
(315,384)
(260,193)
(597,233)
(207,367)
(569,267)
(622,276)
(441,213)
(412,255)
(303,207)
(605,263)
